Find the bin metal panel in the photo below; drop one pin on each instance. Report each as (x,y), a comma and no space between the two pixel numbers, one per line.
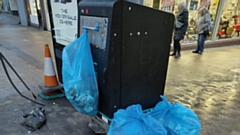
(132,66)
(145,53)
(108,59)
(96,38)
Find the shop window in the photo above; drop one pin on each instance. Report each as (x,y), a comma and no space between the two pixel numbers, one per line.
(33,12)
(229,26)
(194,6)
(5,5)
(152,3)
(148,3)
(167,5)
(156,4)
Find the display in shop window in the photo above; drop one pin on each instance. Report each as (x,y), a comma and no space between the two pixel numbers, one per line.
(229,26)
(226,26)
(193,5)
(168,9)
(167,5)
(205,3)
(64,13)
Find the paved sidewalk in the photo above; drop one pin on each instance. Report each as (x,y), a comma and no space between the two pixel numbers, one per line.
(24,49)
(208,83)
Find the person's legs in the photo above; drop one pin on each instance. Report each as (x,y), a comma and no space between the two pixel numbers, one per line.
(202,39)
(198,44)
(178,48)
(174,48)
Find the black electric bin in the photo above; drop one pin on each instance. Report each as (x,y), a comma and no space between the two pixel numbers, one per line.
(130,52)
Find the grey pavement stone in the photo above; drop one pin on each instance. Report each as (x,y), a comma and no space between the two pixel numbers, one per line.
(216,87)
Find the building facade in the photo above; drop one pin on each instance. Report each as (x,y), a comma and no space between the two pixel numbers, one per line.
(225,15)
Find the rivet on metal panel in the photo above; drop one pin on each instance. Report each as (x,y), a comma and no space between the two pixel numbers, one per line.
(138,33)
(130,8)
(115,34)
(130,34)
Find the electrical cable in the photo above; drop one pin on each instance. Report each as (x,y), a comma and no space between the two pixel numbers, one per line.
(2,58)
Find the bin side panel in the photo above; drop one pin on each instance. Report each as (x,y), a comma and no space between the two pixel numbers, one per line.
(146,39)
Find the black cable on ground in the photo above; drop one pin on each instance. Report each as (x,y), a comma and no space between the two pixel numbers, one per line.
(2,58)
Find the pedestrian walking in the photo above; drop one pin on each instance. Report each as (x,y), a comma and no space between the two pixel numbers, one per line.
(203,28)
(181,26)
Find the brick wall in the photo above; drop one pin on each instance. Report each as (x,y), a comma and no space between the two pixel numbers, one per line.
(22,12)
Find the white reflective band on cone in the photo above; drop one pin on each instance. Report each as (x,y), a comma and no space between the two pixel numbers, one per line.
(48,67)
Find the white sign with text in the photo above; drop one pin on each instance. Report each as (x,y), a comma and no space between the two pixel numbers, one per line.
(65,19)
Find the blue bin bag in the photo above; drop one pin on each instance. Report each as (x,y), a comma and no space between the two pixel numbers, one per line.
(79,78)
(176,118)
(133,121)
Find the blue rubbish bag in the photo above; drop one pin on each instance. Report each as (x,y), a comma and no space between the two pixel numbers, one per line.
(133,121)
(79,78)
(176,118)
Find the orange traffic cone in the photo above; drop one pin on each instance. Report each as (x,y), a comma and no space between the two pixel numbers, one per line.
(51,85)
(50,79)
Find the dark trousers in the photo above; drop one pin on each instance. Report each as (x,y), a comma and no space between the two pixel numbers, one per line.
(177,46)
(201,41)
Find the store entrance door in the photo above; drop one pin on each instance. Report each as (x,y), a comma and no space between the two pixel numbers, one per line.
(35,13)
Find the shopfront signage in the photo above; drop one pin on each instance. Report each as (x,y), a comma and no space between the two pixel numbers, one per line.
(64,14)
(167,3)
(205,3)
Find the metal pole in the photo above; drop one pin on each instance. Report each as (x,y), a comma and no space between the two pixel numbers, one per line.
(217,19)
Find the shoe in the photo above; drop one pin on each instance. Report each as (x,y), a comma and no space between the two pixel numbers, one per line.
(173,54)
(199,52)
(195,51)
(177,55)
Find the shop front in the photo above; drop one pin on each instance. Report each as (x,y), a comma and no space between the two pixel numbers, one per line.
(38,14)
(33,11)
(229,26)
(224,14)
(9,6)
